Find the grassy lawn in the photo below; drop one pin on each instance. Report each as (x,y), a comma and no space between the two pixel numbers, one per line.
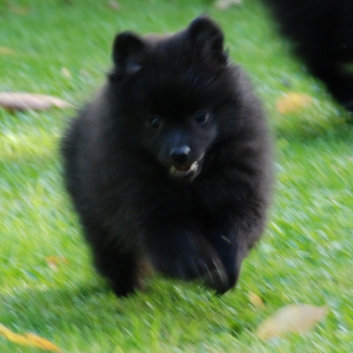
(62,48)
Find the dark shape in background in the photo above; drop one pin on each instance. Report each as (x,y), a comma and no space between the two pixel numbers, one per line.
(322,32)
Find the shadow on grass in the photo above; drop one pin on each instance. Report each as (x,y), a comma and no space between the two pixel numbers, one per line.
(164,314)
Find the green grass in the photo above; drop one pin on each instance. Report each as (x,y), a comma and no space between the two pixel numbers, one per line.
(306,254)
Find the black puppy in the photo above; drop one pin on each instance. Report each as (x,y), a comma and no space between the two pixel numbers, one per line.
(322,31)
(170,164)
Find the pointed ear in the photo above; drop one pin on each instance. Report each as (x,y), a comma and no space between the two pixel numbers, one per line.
(208,37)
(128,52)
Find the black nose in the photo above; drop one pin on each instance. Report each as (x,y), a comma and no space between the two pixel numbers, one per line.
(180,155)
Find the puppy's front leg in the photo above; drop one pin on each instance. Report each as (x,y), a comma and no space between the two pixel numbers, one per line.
(181,252)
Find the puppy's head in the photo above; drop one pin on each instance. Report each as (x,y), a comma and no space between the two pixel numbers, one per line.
(170,90)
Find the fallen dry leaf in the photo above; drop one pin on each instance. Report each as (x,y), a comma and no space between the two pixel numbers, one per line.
(23,101)
(255,300)
(55,261)
(293,102)
(6,51)
(40,342)
(28,339)
(13,337)
(19,10)
(225,4)
(113,5)
(66,72)
(291,318)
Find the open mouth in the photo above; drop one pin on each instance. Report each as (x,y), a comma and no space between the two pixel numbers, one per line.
(184,171)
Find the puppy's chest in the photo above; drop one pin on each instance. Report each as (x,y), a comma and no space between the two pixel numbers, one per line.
(193,202)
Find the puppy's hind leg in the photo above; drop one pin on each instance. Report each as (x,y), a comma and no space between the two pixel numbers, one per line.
(122,267)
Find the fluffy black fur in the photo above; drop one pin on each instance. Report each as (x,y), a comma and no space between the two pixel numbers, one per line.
(322,31)
(170,164)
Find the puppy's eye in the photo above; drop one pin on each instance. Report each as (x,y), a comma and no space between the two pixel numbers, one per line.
(154,121)
(201,117)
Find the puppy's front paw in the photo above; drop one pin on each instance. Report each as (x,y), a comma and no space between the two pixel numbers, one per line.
(204,264)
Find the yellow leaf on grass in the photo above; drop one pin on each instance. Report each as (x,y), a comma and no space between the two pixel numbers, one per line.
(55,261)
(291,318)
(19,10)
(255,300)
(66,72)
(42,343)
(11,336)
(28,339)
(114,5)
(293,102)
(24,101)
(6,51)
